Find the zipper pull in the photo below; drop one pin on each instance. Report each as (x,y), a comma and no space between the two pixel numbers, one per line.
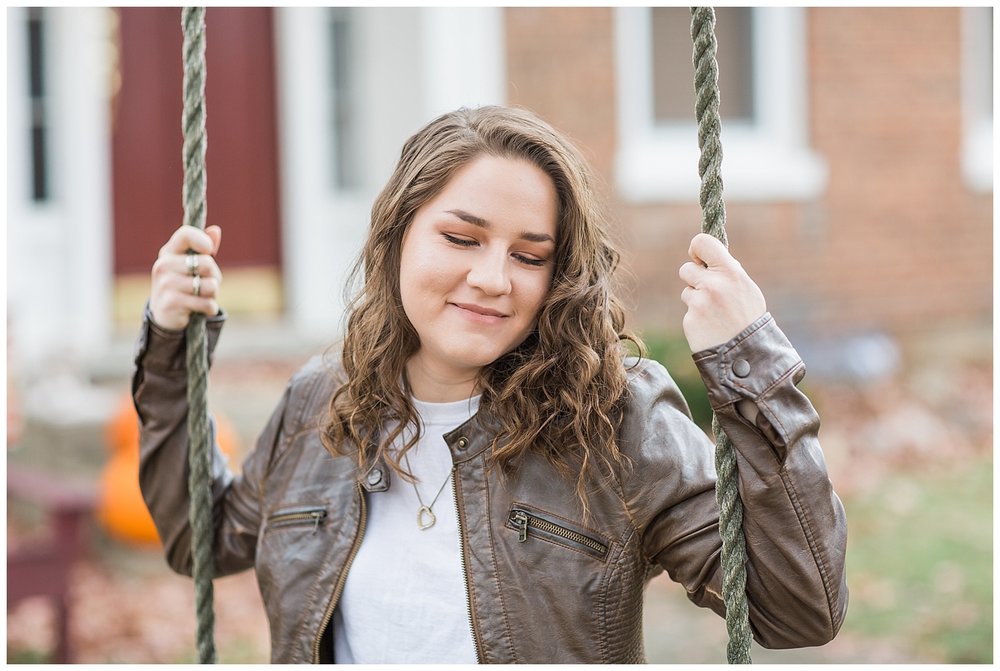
(519,519)
(317,516)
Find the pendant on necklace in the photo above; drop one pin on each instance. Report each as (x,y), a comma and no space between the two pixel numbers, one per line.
(425,518)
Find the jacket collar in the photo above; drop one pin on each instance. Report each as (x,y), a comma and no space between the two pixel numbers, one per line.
(466,442)
(471,438)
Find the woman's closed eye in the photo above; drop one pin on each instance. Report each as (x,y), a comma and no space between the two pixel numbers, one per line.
(470,242)
(461,242)
(530,260)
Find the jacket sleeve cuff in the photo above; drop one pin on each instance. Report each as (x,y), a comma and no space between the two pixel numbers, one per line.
(750,364)
(164,350)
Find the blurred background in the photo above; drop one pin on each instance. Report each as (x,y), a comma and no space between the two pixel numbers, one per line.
(859,182)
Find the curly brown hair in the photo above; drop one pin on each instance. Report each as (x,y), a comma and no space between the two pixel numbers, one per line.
(560,392)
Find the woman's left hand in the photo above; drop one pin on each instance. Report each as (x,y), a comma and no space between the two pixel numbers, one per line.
(721,298)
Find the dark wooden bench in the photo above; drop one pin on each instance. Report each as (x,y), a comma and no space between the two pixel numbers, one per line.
(42,567)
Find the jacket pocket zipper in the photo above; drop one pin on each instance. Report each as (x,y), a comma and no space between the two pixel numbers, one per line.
(529,523)
(313,516)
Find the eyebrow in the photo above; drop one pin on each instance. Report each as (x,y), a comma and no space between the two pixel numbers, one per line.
(482,223)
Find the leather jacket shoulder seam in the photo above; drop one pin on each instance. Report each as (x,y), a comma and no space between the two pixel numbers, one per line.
(620,493)
(641,368)
(304,387)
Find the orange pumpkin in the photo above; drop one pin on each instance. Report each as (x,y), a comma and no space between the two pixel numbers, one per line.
(122,431)
(121,510)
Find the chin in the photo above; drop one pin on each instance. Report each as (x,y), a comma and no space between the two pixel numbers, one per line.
(480,360)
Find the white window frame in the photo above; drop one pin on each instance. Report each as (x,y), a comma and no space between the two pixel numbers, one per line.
(764,160)
(60,248)
(464,58)
(977,128)
(454,57)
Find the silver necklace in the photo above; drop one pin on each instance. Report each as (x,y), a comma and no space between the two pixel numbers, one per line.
(425,514)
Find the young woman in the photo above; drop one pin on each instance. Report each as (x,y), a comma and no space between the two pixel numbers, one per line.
(484,474)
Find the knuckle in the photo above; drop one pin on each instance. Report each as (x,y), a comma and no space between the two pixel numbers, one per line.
(202,243)
(179,282)
(179,239)
(160,265)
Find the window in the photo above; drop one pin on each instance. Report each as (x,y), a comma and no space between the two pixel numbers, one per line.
(762,77)
(977,97)
(344,97)
(40,187)
(673,87)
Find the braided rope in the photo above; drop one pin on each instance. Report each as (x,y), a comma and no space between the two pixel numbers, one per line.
(199,431)
(734,553)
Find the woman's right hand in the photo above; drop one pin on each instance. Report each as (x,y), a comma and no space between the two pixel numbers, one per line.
(172,298)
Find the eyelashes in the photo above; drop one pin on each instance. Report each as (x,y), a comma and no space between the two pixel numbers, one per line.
(466,242)
(461,242)
(530,261)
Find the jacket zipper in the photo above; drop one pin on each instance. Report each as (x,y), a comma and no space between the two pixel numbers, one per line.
(314,515)
(524,522)
(465,569)
(339,588)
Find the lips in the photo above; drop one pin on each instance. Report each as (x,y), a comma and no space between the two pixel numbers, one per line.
(479,310)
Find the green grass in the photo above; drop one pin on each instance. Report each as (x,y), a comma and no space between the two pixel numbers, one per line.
(920,563)
(28,656)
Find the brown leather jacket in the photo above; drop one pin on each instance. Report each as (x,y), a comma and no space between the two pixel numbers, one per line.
(543,586)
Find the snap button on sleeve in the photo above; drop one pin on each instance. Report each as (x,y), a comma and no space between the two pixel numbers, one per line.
(741,368)
(463,443)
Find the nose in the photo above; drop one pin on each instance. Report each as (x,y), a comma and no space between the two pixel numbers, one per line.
(489,274)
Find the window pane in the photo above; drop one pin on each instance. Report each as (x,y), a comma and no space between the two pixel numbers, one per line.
(344,105)
(36,92)
(673,72)
(986,77)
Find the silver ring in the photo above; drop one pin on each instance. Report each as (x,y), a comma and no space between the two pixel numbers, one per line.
(191,262)
(196,281)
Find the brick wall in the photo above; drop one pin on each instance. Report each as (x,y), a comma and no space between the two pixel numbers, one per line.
(896,242)
(561,65)
(907,242)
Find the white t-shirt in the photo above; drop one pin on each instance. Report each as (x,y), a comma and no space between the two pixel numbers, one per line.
(405,599)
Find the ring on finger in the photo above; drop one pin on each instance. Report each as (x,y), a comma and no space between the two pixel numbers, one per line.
(196,285)
(191,262)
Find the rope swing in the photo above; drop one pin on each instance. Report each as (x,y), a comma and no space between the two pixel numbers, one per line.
(713,222)
(199,431)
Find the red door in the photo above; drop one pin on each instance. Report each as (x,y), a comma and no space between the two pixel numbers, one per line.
(242,158)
